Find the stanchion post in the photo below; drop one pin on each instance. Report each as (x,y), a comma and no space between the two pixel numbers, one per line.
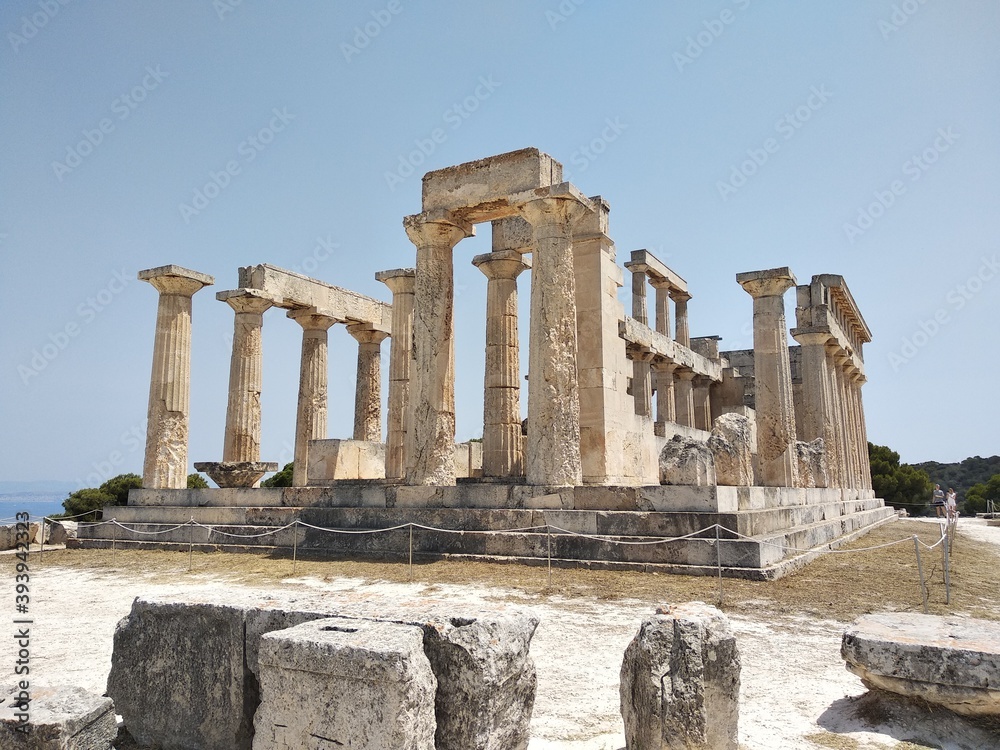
(41,541)
(947,573)
(920,571)
(295,543)
(114,538)
(411,552)
(718,561)
(191,544)
(548,547)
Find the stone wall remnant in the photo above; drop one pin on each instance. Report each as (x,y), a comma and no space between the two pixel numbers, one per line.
(687,460)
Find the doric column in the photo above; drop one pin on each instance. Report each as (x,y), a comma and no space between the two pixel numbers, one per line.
(683,335)
(430,444)
(242,441)
(552,455)
(400,283)
(368,389)
(773,376)
(165,463)
(684,396)
(866,466)
(838,467)
(847,419)
(665,411)
(702,402)
(859,452)
(503,444)
(662,305)
(642,385)
(310,418)
(817,419)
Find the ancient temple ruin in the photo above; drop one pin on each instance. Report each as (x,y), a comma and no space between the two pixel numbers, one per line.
(634,430)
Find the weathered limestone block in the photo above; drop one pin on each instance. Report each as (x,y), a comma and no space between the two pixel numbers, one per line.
(8,536)
(486,681)
(345,682)
(731,446)
(950,661)
(680,681)
(811,459)
(345,459)
(60,531)
(685,460)
(62,718)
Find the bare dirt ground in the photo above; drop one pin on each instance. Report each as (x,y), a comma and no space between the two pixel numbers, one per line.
(795,691)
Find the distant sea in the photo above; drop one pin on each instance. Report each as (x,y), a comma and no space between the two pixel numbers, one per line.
(38,504)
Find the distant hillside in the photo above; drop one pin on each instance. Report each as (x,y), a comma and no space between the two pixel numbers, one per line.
(962,475)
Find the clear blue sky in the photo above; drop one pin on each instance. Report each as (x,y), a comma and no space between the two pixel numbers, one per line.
(858,138)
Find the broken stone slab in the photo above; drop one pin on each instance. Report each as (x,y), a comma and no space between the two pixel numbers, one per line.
(61,718)
(179,689)
(732,449)
(345,682)
(949,661)
(680,681)
(687,460)
(60,531)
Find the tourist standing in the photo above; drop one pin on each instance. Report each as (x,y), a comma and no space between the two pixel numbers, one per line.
(938,501)
(951,504)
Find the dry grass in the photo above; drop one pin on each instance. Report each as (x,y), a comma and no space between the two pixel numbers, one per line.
(841,585)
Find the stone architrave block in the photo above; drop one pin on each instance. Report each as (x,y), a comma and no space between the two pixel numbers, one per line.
(950,661)
(345,683)
(686,460)
(680,681)
(486,681)
(62,718)
(811,459)
(731,446)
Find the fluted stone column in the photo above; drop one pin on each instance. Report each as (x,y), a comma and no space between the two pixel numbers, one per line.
(818,419)
(850,391)
(702,402)
(400,282)
(684,393)
(839,467)
(311,416)
(866,466)
(773,376)
(166,458)
(665,410)
(642,384)
(683,335)
(503,444)
(847,416)
(552,453)
(242,441)
(368,390)
(430,444)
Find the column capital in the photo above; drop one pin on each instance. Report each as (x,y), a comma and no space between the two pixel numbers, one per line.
(312,320)
(668,367)
(502,264)
(685,373)
(437,228)
(175,280)
(245,300)
(678,296)
(567,207)
(773,282)
(363,333)
(399,280)
(808,337)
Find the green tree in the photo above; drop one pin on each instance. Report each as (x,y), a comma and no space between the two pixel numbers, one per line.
(282,479)
(900,485)
(90,500)
(196,482)
(978,494)
(120,485)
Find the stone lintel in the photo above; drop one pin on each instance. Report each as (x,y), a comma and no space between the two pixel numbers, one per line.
(290,290)
(478,190)
(657,271)
(772,282)
(179,271)
(512,233)
(665,349)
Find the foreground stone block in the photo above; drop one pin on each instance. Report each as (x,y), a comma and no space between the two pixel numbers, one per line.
(811,459)
(345,683)
(686,460)
(61,531)
(62,718)
(732,448)
(680,681)
(949,661)
(486,681)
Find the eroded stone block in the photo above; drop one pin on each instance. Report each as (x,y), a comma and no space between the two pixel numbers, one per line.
(686,460)
(732,449)
(62,718)
(680,681)
(345,682)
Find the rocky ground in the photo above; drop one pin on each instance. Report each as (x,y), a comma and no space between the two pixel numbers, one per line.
(795,692)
